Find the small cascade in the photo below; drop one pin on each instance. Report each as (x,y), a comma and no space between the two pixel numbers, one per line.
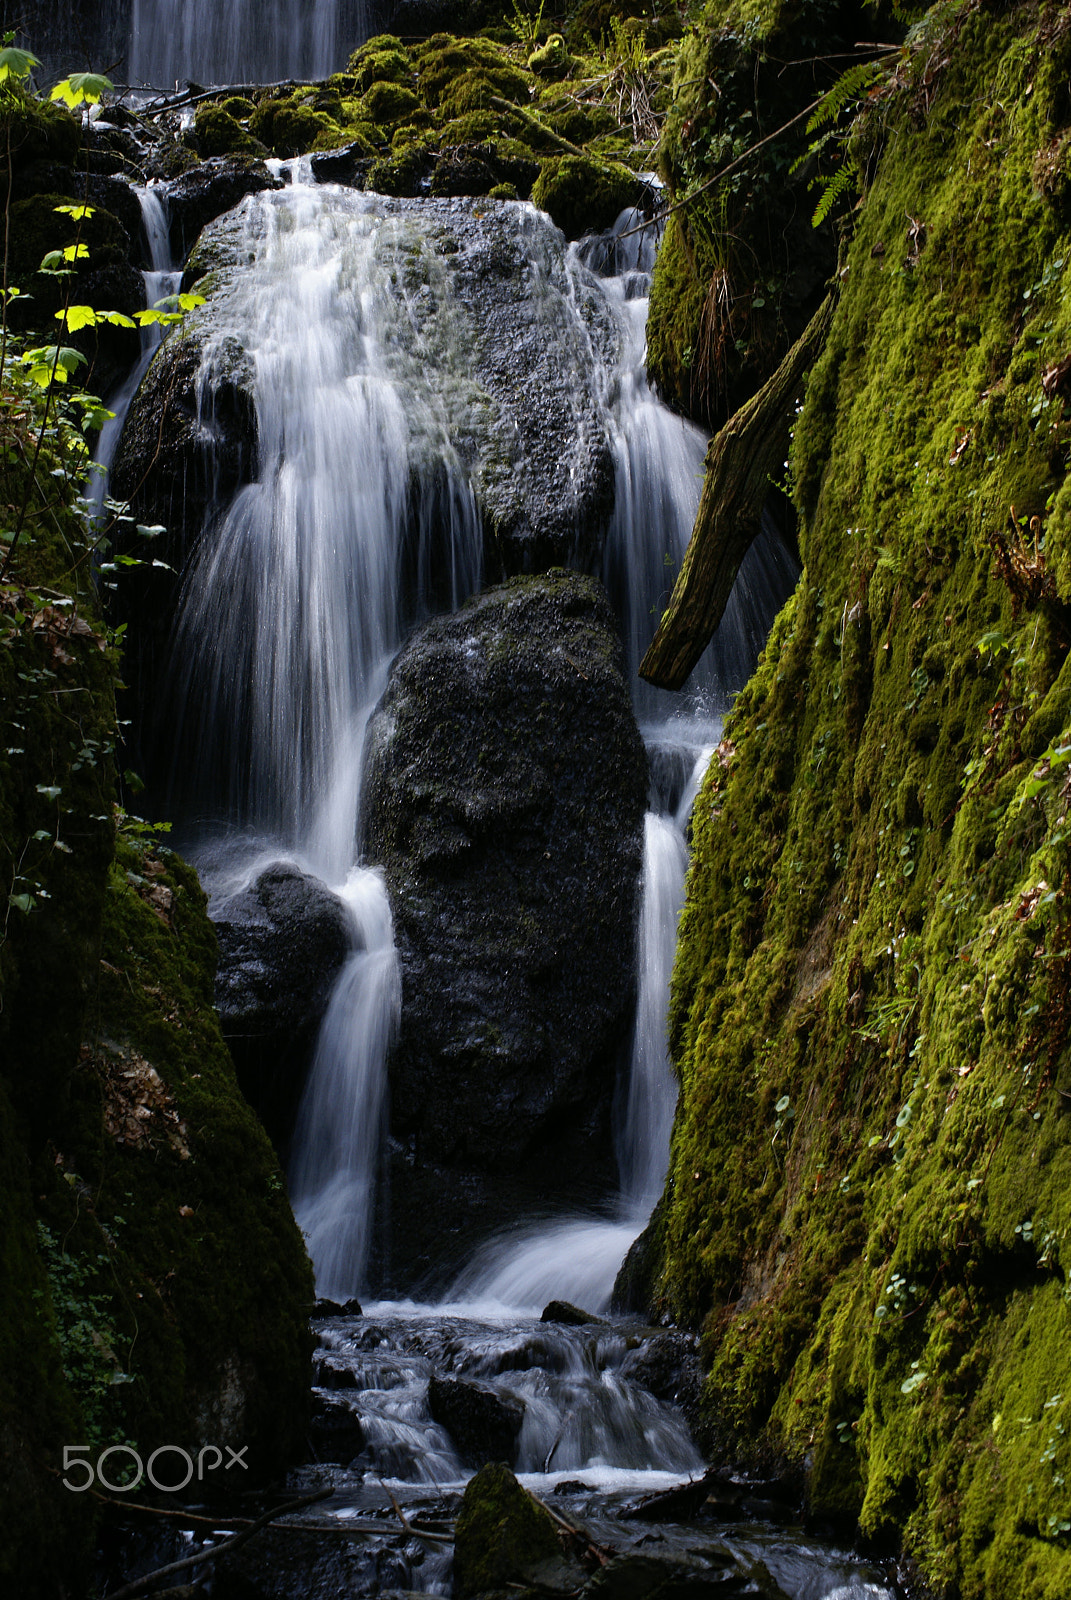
(244,41)
(340,1122)
(161,280)
(295,602)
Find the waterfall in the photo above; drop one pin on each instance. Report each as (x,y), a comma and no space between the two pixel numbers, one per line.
(162,279)
(360,518)
(242,41)
(295,603)
(659,472)
(340,1122)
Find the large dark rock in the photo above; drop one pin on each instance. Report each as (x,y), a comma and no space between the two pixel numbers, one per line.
(281,944)
(483,1425)
(504,793)
(208,190)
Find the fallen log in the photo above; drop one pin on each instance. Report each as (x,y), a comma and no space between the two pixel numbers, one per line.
(741,462)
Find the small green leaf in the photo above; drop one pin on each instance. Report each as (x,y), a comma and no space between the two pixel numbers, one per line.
(82,88)
(76,317)
(77,212)
(16,63)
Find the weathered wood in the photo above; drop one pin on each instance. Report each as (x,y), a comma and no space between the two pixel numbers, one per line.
(741,462)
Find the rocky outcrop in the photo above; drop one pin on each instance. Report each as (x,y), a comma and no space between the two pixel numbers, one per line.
(869,1197)
(504,794)
(507,352)
(484,1426)
(282,942)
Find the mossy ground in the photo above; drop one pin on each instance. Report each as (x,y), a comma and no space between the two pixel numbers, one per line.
(873,967)
(493,113)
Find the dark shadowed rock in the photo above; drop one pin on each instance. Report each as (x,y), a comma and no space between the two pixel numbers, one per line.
(484,1426)
(564,1312)
(335,1432)
(281,944)
(504,793)
(208,190)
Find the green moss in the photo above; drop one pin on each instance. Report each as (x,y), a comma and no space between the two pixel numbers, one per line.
(867,1208)
(552,59)
(582,195)
(219,133)
(502,1535)
(290,129)
(389,102)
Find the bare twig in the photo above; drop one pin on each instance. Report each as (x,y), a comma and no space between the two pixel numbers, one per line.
(140,1585)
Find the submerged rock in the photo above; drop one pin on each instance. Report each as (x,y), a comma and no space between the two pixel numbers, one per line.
(282,942)
(565,1312)
(504,793)
(484,1426)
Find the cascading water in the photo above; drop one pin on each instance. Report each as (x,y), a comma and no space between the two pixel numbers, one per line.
(659,470)
(292,609)
(161,280)
(244,41)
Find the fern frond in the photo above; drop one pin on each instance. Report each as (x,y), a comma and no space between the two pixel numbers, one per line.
(848,87)
(835,185)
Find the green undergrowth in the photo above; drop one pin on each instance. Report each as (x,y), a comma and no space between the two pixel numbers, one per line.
(869,1202)
(519,110)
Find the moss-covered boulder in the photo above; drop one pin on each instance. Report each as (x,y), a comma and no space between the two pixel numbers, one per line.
(741,269)
(583,195)
(504,793)
(219,133)
(504,1539)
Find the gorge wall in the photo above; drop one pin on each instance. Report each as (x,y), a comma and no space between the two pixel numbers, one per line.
(867,1208)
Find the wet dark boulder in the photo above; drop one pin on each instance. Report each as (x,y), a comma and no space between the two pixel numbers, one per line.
(570,1316)
(335,1432)
(282,942)
(483,1425)
(209,189)
(504,793)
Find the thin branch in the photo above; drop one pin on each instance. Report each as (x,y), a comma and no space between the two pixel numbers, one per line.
(724,171)
(140,1585)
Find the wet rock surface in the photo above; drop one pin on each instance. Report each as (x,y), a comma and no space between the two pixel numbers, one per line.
(282,942)
(504,794)
(483,1425)
(495,334)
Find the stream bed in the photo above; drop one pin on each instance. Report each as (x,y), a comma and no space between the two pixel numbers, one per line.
(570,1408)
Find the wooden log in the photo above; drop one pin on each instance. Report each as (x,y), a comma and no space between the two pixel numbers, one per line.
(742,460)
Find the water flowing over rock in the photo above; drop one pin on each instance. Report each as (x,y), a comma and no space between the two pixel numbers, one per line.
(282,942)
(504,792)
(497,344)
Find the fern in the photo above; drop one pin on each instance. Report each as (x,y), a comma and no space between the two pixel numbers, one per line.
(848,87)
(834,186)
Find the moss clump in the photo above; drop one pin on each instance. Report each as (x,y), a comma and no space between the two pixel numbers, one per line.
(289,129)
(552,59)
(582,195)
(867,1209)
(383,59)
(219,133)
(388,103)
(502,1536)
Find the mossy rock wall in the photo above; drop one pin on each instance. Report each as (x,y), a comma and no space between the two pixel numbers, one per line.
(741,270)
(868,1205)
(154,1287)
